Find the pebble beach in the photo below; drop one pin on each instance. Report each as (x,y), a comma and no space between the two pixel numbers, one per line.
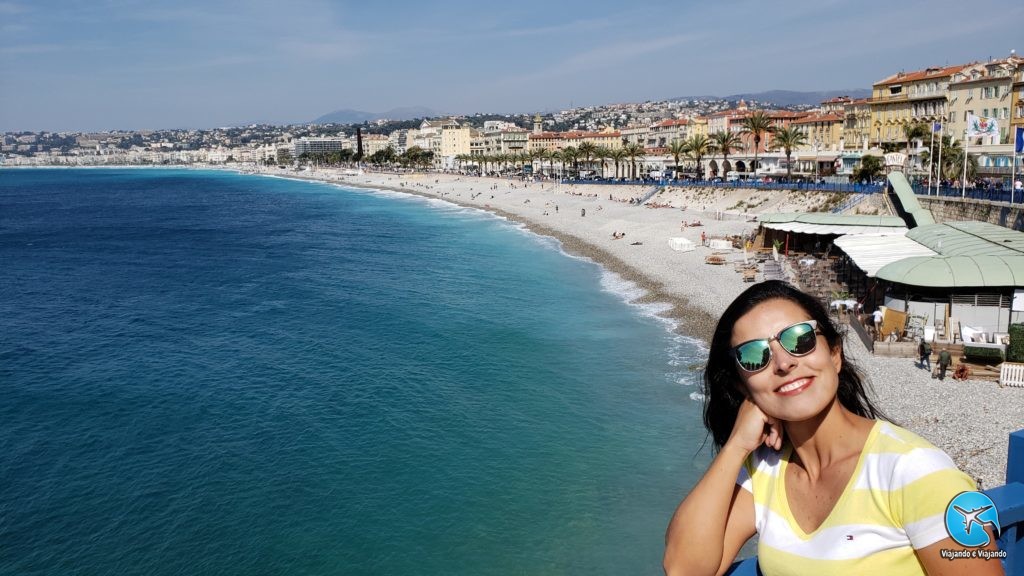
(969,419)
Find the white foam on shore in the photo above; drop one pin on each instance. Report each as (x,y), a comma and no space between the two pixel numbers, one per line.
(682,352)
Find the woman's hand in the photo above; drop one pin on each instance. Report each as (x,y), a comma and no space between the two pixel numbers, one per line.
(753,428)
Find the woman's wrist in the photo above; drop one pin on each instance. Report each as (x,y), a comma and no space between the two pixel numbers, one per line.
(735,450)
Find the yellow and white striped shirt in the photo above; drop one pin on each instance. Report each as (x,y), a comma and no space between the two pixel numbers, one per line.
(894,503)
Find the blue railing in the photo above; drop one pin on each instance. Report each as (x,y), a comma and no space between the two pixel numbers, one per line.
(1009,501)
(988,194)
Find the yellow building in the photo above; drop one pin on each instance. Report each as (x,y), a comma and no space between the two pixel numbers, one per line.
(823,131)
(699,126)
(983,89)
(908,97)
(857,124)
(608,138)
(1017,100)
(373,143)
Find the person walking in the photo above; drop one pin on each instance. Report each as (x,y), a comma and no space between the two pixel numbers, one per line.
(877,318)
(945,359)
(924,352)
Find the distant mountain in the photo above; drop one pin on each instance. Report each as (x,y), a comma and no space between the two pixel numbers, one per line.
(357,116)
(791,98)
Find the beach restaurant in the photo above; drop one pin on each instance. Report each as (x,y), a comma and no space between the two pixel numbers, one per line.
(960,281)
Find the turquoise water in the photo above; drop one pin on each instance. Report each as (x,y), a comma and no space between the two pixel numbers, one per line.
(209,373)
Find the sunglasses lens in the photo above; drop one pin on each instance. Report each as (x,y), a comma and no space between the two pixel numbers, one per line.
(753,356)
(799,339)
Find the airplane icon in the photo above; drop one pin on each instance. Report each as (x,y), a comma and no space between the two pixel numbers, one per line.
(971,517)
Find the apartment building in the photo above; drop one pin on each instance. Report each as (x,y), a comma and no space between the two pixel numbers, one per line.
(857,124)
(317,145)
(908,97)
(662,134)
(1017,100)
(499,138)
(373,143)
(983,89)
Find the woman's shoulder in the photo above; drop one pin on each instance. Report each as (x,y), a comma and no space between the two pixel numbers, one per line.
(895,457)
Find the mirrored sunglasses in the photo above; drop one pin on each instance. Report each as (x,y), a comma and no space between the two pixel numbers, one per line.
(798,340)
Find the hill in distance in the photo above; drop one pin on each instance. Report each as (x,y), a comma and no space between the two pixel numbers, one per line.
(792,98)
(357,116)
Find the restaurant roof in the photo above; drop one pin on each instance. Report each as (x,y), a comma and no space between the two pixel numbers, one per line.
(870,252)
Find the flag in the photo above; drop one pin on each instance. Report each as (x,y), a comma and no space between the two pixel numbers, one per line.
(1019,142)
(981,126)
(936,127)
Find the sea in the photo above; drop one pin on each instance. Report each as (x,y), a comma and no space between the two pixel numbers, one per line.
(204,372)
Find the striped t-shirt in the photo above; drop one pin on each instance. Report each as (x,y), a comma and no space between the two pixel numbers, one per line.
(894,503)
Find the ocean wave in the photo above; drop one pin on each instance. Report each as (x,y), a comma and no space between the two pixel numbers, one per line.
(696,396)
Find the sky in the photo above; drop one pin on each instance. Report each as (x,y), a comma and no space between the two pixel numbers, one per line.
(97,65)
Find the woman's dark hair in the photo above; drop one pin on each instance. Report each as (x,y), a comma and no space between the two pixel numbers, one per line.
(723,389)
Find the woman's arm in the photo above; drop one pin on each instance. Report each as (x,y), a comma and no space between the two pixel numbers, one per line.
(717,517)
(935,565)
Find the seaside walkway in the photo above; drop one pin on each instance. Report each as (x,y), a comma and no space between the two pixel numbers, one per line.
(1009,501)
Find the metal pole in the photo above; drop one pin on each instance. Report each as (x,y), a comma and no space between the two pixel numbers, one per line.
(931,147)
(942,127)
(963,183)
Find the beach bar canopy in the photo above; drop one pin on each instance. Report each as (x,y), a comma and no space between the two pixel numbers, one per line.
(969,255)
(833,224)
(870,252)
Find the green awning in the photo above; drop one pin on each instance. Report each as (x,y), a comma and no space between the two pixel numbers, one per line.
(956,271)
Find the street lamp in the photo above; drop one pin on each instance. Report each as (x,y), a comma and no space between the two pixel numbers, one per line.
(817,144)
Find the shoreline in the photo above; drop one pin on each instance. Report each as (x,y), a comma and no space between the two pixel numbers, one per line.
(696,293)
(691,320)
(583,218)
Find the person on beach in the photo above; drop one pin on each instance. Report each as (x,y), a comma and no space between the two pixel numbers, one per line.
(945,359)
(876,317)
(924,352)
(804,461)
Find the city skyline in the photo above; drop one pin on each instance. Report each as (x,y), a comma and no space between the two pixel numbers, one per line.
(129,65)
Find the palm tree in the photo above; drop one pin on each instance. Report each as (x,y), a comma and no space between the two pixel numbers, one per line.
(549,155)
(677,148)
(633,151)
(950,149)
(586,151)
(726,142)
(617,155)
(602,154)
(911,132)
(697,147)
(954,169)
(789,138)
(757,124)
(569,155)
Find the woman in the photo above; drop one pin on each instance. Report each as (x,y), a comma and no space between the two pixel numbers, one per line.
(803,462)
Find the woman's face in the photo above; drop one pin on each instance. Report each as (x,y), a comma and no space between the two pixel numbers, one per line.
(789,388)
